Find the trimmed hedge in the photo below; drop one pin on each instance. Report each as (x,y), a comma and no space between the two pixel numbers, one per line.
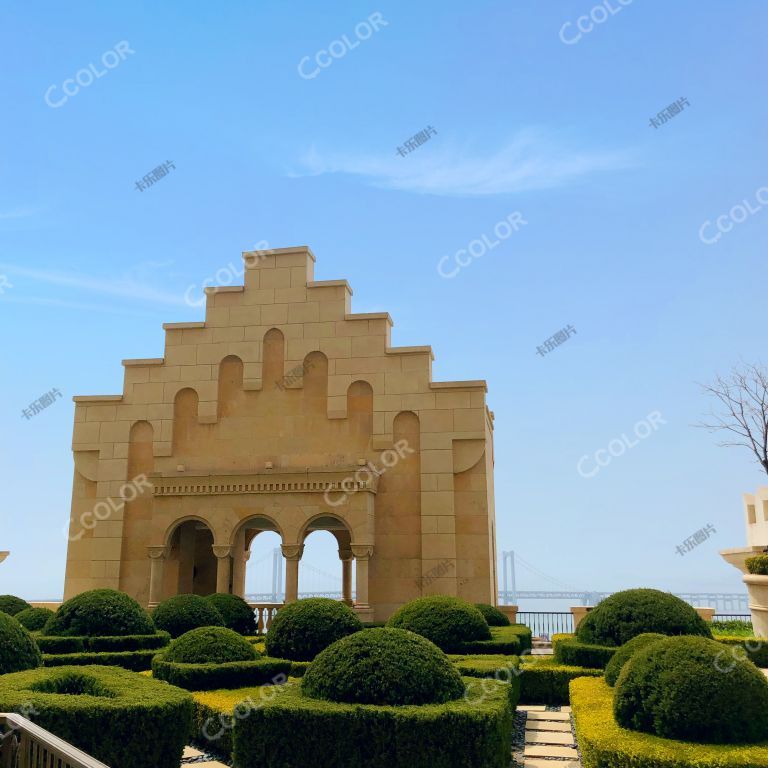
(99,612)
(492,615)
(233,674)
(512,640)
(755,648)
(210,645)
(449,622)
(679,688)
(546,681)
(12,605)
(577,654)
(237,614)
(487,665)
(107,644)
(293,730)
(34,619)
(135,661)
(183,613)
(302,629)
(383,666)
(624,654)
(757,565)
(621,616)
(603,743)
(124,720)
(18,650)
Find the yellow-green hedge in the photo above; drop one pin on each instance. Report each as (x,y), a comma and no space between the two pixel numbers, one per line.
(603,744)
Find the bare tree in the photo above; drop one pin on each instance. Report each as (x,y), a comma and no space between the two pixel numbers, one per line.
(743,410)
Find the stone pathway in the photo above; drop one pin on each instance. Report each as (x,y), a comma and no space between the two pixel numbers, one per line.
(549,738)
(197,758)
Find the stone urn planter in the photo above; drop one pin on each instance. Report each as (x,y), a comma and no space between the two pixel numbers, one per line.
(757,586)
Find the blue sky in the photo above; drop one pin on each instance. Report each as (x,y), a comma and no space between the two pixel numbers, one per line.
(524,123)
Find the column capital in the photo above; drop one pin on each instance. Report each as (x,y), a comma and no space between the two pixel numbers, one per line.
(222,550)
(292,551)
(157,553)
(345,554)
(362,551)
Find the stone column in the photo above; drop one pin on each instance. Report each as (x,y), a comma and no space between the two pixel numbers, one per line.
(292,554)
(239,559)
(156,574)
(345,555)
(223,567)
(362,553)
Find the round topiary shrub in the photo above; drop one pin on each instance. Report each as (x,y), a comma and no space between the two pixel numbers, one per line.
(34,619)
(693,689)
(237,614)
(625,653)
(180,614)
(757,565)
(12,605)
(302,629)
(18,651)
(492,615)
(210,645)
(116,716)
(624,615)
(446,621)
(383,666)
(99,613)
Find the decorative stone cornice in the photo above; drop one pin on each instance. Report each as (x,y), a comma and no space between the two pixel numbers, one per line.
(317,481)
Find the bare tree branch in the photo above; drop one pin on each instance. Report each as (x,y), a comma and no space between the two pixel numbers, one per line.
(742,398)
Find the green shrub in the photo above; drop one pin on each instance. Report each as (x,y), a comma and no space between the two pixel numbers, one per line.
(383,666)
(210,645)
(690,688)
(573,653)
(18,650)
(182,613)
(123,719)
(492,615)
(623,615)
(211,677)
(757,565)
(732,628)
(12,605)
(603,743)
(58,645)
(512,640)
(33,619)
(624,653)
(292,729)
(544,681)
(99,612)
(498,666)
(755,649)
(135,661)
(449,622)
(302,629)
(237,614)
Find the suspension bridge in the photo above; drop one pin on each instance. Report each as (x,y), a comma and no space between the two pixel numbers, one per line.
(315,582)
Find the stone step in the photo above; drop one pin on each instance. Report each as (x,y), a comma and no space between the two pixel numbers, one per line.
(551,716)
(531,708)
(549,737)
(541,750)
(559,763)
(548,725)
(190,752)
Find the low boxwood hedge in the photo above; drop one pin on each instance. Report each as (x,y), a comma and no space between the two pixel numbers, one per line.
(574,653)
(544,681)
(124,720)
(603,743)
(756,648)
(291,730)
(233,674)
(135,661)
(512,640)
(110,644)
(486,665)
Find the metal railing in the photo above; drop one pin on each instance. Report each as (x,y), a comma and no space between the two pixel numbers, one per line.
(545,623)
(25,745)
(732,617)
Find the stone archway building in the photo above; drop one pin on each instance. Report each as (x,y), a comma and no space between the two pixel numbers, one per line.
(286,412)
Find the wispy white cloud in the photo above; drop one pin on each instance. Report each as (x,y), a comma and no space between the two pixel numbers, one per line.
(531,160)
(127,286)
(17,213)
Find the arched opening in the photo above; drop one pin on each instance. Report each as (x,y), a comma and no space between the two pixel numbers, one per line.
(191,564)
(326,568)
(258,563)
